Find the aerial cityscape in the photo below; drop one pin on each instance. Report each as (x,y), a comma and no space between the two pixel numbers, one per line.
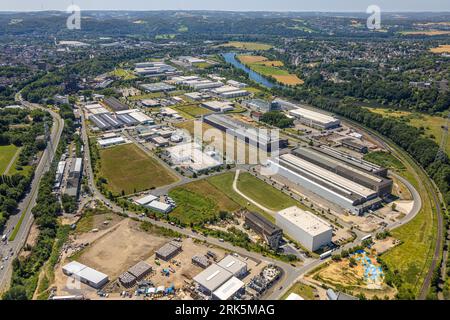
(225,153)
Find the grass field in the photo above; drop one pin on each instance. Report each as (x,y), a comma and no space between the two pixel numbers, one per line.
(6,155)
(123,74)
(264,193)
(431,124)
(303,290)
(265,67)
(224,183)
(128,168)
(199,202)
(385,159)
(193,110)
(425,33)
(441,49)
(248,45)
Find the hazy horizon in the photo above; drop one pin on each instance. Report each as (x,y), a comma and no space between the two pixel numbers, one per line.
(231,5)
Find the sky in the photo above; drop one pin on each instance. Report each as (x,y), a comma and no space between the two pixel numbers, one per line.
(229,5)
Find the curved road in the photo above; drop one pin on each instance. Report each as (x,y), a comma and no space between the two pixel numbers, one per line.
(431,189)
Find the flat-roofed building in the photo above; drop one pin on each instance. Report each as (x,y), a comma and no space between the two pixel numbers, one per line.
(327,184)
(315,119)
(201,261)
(270,232)
(267,140)
(355,171)
(212,278)
(145,200)
(191,156)
(354,145)
(235,265)
(353,161)
(127,120)
(169,250)
(140,270)
(159,206)
(99,122)
(157,87)
(105,143)
(114,104)
(159,141)
(150,103)
(237,84)
(85,274)
(260,105)
(218,106)
(141,117)
(154,69)
(311,231)
(229,289)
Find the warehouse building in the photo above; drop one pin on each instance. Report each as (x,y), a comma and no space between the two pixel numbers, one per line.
(315,119)
(382,186)
(99,122)
(127,120)
(149,103)
(191,156)
(59,174)
(95,109)
(260,105)
(114,104)
(145,200)
(266,140)
(85,274)
(237,84)
(354,145)
(73,182)
(159,142)
(283,105)
(332,187)
(141,117)
(353,161)
(157,87)
(105,143)
(266,229)
(140,270)
(230,92)
(211,279)
(168,251)
(229,290)
(234,265)
(309,230)
(218,106)
(154,69)
(127,279)
(160,207)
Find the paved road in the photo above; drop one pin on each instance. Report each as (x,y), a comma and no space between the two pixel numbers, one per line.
(290,273)
(235,188)
(27,204)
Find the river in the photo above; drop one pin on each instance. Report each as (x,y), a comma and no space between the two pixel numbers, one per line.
(230,57)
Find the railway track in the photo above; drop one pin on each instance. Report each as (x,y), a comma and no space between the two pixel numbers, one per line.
(431,189)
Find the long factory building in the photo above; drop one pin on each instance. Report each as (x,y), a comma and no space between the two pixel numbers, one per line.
(328,182)
(253,136)
(315,119)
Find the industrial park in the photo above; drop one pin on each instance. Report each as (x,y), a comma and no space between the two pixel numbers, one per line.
(235,168)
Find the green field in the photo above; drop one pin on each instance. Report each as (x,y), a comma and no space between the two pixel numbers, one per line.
(385,159)
(432,125)
(192,110)
(303,290)
(264,193)
(6,155)
(248,45)
(128,168)
(123,74)
(199,202)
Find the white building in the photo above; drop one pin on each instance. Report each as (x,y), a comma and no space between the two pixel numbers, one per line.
(236,84)
(294,296)
(315,119)
(160,207)
(229,289)
(309,230)
(191,156)
(104,143)
(212,278)
(85,274)
(235,265)
(230,92)
(218,106)
(145,200)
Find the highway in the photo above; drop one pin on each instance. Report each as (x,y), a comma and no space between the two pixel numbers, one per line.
(12,248)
